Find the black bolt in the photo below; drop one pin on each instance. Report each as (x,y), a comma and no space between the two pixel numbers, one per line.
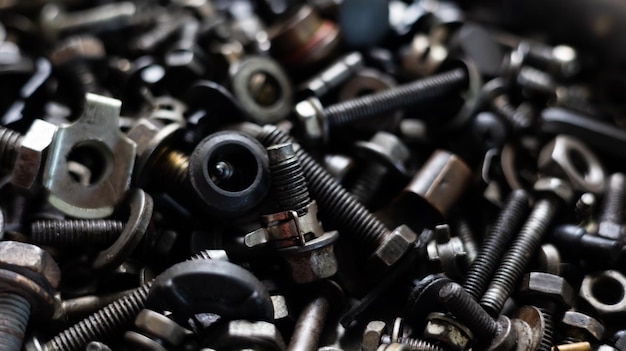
(495,243)
(610,223)
(420,91)
(576,241)
(335,203)
(287,179)
(517,258)
(468,311)
(76,232)
(497,98)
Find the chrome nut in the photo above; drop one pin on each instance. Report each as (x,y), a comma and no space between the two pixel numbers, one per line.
(31,156)
(392,249)
(579,324)
(555,186)
(312,124)
(569,158)
(30,261)
(546,285)
(606,292)
(372,335)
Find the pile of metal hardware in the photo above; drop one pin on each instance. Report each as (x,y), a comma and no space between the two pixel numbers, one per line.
(322,175)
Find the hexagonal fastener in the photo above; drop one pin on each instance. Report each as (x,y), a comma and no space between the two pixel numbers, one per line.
(578,324)
(555,187)
(392,249)
(314,261)
(372,335)
(569,158)
(30,261)
(31,155)
(546,285)
(606,292)
(312,124)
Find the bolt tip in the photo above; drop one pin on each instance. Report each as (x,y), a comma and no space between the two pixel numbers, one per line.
(280,152)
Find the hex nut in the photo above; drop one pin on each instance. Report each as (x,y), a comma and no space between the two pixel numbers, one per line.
(568,157)
(30,261)
(31,155)
(372,335)
(314,261)
(606,292)
(392,249)
(576,323)
(546,285)
(312,124)
(555,186)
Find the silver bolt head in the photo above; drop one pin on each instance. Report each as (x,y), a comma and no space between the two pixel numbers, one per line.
(310,116)
(392,249)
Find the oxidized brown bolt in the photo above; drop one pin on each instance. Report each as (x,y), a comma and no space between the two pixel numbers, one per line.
(554,194)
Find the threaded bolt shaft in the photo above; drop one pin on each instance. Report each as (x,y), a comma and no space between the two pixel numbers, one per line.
(15,312)
(288,179)
(76,232)
(10,142)
(368,182)
(536,80)
(420,91)
(517,258)
(465,233)
(547,340)
(610,223)
(468,311)
(519,119)
(335,203)
(494,244)
(419,345)
(109,321)
(172,167)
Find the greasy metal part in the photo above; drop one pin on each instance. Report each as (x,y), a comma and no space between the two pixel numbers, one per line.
(141,209)
(309,325)
(333,76)
(75,232)
(84,305)
(576,240)
(94,137)
(372,335)
(249,335)
(606,292)
(338,166)
(155,331)
(32,153)
(304,38)
(530,325)
(577,326)
(262,88)
(442,328)
(610,223)
(549,259)
(449,252)
(571,159)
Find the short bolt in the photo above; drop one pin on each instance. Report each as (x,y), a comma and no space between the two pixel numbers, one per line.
(468,311)
(74,56)
(518,118)
(76,232)
(517,258)
(464,231)
(497,240)
(611,223)
(313,115)
(287,179)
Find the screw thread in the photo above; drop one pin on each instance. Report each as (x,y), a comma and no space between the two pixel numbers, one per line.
(517,258)
(496,241)
(516,117)
(419,345)
(172,167)
(76,232)
(466,234)
(548,333)
(10,142)
(335,203)
(367,182)
(420,91)
(288,179)
(468,311)
(537,80)
(615,195)
(15,312)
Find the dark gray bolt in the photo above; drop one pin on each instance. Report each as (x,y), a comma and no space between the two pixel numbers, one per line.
(10,142)
(466,234)
(74,56)
(495,243)
(313,116)
(519,118)
(335,203)
(610,223)
(108,322)
(468,311)
(518,257)
(334,75)
(287,179)
(576,241)
(76,232)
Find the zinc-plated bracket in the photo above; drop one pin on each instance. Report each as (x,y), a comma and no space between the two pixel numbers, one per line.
(96,138)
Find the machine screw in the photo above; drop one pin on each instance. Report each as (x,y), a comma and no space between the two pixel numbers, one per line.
(610,223)
(76,232)
(496,242)
(287,179)
(519,118)
(10,142)
(317,120)
(517,258)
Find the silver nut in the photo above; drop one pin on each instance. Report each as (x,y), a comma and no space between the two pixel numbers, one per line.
(555,186)
(372,335)
(576,323)
(392,249)
(570,158)
(546,285)
(31,155)
(310,116)
(606,292)
(30,261)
